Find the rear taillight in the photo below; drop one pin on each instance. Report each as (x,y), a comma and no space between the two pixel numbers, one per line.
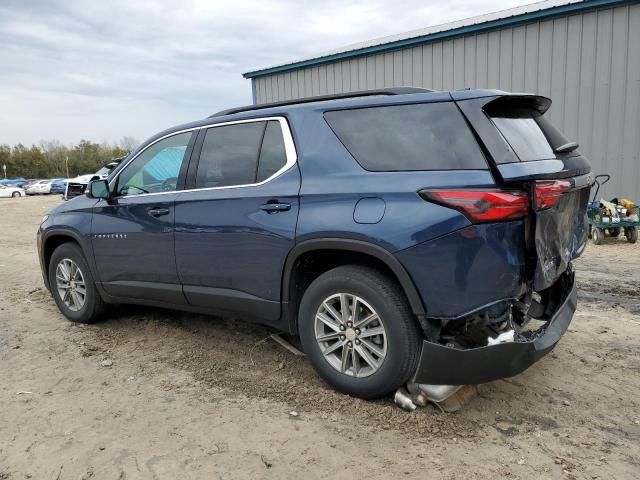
(482,205)
(549,192)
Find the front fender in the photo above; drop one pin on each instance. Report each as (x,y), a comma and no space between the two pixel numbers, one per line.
(76,227)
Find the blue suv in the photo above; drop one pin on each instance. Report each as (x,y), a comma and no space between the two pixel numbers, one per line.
(405,235)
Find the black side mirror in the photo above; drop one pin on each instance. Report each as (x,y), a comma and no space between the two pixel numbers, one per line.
(99,189)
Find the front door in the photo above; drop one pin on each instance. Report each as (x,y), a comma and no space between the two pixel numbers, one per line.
(235,228)
(132,234)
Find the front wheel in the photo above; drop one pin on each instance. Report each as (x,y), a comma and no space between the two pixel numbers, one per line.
(358,331)
(15,194)
(632,234)
(72,285)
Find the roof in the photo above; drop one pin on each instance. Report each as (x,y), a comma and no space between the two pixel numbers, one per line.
(510,17)
(398,95)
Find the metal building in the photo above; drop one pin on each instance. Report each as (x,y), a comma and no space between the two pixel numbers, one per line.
(584,55)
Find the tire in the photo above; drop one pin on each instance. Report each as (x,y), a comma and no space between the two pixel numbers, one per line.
(632,234)
(370,290)
(15,194)
(597,235)
(93,308)
(614,232)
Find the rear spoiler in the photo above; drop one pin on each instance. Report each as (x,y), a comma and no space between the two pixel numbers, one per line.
(511,105)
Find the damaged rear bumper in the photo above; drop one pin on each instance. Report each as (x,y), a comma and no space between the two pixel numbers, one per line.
(442,365)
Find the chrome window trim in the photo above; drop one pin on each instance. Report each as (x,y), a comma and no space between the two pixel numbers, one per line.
(289,146)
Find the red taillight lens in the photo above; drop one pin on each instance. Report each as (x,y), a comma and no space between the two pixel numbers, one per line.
(482,205)
(549,192)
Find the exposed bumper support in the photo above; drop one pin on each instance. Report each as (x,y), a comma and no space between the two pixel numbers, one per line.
(441,365)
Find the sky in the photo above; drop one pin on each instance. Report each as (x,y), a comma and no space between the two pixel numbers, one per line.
(102,70)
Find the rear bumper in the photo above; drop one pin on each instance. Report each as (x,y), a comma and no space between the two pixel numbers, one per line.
(441,365)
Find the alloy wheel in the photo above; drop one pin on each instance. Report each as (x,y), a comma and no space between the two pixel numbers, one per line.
(351,335)
(70,284)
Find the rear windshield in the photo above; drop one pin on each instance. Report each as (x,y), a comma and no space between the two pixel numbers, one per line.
(427,136)
(532,136)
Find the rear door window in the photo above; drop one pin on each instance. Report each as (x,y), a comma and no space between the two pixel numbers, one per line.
(241,154)
(427,136)
(229,155)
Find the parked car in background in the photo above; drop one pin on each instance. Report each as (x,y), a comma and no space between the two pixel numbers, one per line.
(30,181)
(14,182)
(58,185)
(9,191)
(77,186)
(40,187)
(405,235)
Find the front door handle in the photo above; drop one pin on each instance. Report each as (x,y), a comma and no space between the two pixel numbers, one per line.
(158,212)
(275,207)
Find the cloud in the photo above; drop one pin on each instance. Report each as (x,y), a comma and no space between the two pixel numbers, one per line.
(72,69)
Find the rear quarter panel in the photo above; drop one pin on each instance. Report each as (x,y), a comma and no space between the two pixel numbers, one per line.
(468,269)
(456,266)
(333,183)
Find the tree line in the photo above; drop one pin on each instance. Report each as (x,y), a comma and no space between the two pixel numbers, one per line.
(52,159)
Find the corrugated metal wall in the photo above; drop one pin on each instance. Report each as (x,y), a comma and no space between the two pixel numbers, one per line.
(588,64)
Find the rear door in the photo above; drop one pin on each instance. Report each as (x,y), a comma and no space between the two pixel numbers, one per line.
(236,222)
(529,153)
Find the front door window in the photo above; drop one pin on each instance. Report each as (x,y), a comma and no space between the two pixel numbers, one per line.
(156,169)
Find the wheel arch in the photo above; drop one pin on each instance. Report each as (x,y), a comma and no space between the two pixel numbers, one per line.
(359,252)
(53,240)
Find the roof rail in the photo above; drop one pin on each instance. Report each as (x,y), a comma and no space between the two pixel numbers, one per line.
(337,96)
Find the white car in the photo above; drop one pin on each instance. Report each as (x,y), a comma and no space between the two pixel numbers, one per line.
(6,191)
(39,187)
(76,186)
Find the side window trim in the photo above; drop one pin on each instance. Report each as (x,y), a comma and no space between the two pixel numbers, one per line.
(199,132)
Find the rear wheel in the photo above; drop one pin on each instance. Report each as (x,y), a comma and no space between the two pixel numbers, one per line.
(597,235)
(632,234)
(15,194)
(72,285)
(614,232)
(358,332)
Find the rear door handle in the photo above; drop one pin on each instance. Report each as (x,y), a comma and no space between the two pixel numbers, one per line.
(275,207)
(158,212)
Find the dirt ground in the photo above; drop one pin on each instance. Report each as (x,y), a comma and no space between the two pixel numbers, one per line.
(164,395)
